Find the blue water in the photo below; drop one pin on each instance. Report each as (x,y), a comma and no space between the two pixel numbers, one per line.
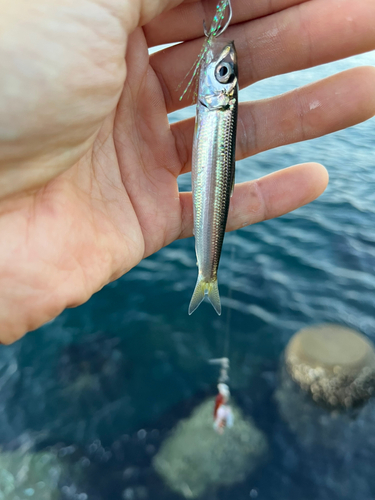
(102,385)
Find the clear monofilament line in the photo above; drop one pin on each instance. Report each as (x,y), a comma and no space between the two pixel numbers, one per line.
(229,311)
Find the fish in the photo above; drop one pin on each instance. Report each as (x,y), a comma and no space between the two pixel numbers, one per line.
(213,162)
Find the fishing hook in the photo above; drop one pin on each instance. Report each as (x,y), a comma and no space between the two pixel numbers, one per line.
(228,21)
(221,31)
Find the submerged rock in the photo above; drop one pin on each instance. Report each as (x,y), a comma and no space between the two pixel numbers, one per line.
(320,428)
(195,458)
(336,365)
(25,476)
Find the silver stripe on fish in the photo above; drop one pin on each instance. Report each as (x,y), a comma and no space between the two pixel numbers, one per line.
(213,163)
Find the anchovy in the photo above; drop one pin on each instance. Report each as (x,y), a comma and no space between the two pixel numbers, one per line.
(213,162)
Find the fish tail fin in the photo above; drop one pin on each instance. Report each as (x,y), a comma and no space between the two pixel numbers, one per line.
(201,289)
(214,296)
(198,294)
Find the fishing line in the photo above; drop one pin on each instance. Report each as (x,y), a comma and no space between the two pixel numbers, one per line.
(223,416)
(216,109)
(229,314)
(224,361)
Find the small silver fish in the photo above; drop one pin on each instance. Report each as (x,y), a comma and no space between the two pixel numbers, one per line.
(213,162)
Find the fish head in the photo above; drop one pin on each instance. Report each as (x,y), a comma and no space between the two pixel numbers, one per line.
(218,81)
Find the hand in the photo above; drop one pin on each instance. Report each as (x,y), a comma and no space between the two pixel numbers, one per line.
(88,161)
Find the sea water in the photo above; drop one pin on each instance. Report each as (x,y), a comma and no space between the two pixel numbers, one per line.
(96,391)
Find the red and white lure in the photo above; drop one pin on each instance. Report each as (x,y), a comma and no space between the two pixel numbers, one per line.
(223,415)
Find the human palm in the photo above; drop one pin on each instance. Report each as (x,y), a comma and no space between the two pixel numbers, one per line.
(89,163)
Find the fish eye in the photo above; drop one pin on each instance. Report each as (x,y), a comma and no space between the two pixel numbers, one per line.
(223,72)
